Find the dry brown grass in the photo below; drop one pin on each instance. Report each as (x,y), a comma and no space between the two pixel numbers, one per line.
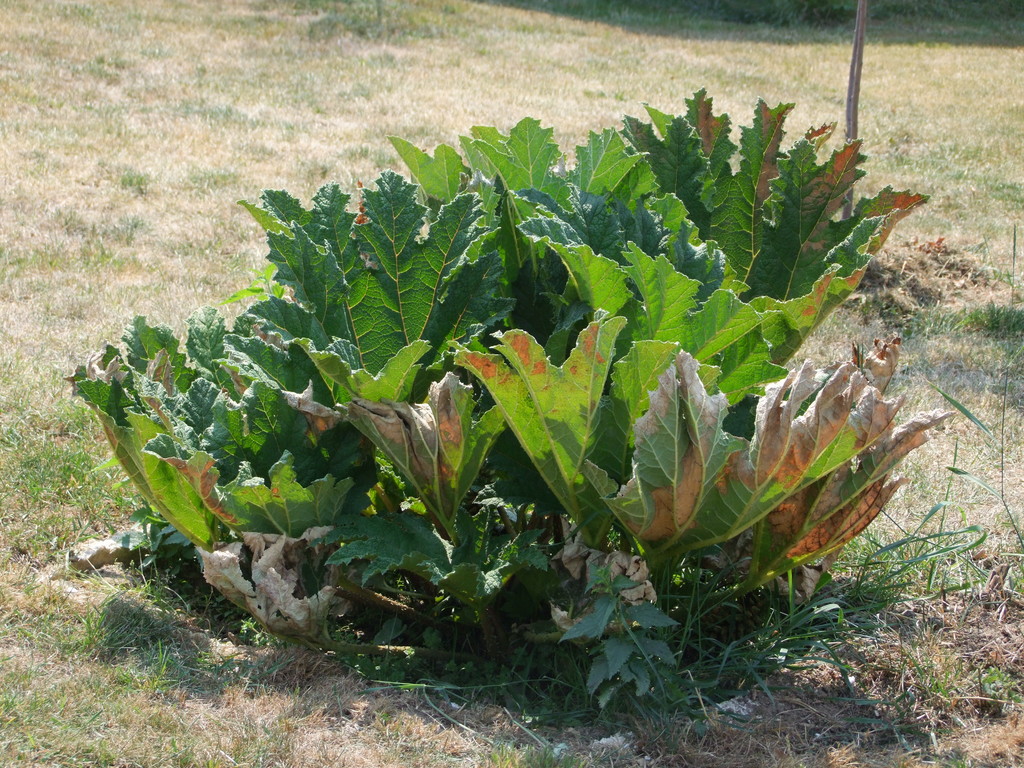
(128,130)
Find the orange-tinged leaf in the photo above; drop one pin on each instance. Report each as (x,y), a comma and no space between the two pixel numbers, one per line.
(842,526)
(681,451)
(552,410)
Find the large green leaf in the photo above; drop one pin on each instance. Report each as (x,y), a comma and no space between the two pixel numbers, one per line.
(281,321)
(378,282)
(283,505)
(263,425)
(205,345)
(802,235)
(789,321)
(584,218)
(676,158)
(553,410)
(516,250)
(186,416)
(606,165)
(284,366)
(440,176)
(154,350)
(727,333)
(411,288)
(598,282)
(473,574)
(393,382)
(527,158)
(184,490)
(667,297)
(130,430)
(738,220)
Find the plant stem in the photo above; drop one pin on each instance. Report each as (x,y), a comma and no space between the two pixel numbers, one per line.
(548,638)
(377,600)
(369,649)
(495,639)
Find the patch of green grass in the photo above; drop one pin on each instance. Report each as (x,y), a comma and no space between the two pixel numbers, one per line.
(97,715)
(368,19)
(127,228)
(507,757)
(97,254)
(135,180)
(152,646)
(76,11)
(215,114)
(211,179)
(996,320)
(379,155)
(998,328)
(54,495)
(959,10)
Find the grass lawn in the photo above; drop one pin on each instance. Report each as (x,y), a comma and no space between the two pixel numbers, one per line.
(128,131)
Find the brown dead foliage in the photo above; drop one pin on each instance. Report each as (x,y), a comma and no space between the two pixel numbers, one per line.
(994,744)
(913,275)
(805,723)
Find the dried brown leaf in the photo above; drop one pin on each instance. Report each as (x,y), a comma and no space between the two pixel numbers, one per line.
(161,371)
(579,560)
(319,417)
(785,445)
(409,426)
(446,411)
(829,510)
(773,423)
(873,416)
(274,593)
(676,506)
(880,363)
(846,523)
(828,413)
(790,517)
(893,447)
(96,371)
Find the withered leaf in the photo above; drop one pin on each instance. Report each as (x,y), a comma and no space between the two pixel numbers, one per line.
(319,417)
(881,362)
(843,525)
(680,451)
(835,499)
(273,593)
(436,445)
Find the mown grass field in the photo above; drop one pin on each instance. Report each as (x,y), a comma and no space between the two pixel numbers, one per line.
(128,132)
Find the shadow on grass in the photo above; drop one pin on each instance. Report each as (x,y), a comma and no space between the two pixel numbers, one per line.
(159,650)
(994,23)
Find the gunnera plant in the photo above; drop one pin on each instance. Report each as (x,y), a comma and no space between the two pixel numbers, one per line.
(527,396)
